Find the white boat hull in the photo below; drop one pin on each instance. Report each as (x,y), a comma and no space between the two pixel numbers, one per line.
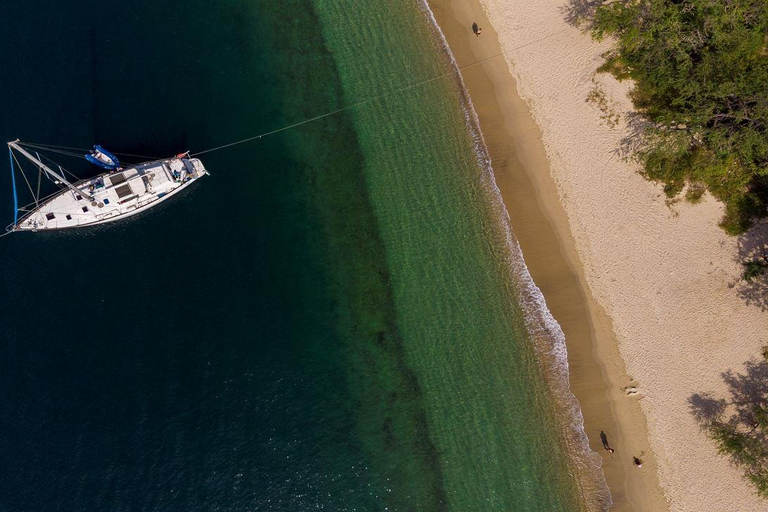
(113,196)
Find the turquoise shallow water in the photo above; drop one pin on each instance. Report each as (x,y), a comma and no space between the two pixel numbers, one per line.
(327,322)
(450,271)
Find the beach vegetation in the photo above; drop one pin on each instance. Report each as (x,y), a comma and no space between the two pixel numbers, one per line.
(608,112)
(700,69)
(754,269)
(695,192)
(739,425)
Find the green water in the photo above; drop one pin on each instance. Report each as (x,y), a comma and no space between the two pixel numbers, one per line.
(452,405)
(327,322)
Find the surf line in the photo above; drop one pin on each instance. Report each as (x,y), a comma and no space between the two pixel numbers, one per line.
(456,70)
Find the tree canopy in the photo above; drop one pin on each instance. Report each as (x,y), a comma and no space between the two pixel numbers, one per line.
(739,424)
(700,69)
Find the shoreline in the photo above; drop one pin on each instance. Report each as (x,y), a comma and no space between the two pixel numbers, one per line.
(647,290)
(540,224)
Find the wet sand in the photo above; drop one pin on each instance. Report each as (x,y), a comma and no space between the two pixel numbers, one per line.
(666,274)
(521,169)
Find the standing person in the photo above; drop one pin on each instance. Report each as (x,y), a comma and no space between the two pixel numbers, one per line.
(476,29)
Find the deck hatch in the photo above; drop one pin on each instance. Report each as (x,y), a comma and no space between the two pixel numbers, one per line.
(117,179)
(124,191)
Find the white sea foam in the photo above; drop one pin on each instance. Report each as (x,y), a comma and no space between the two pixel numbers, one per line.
(543,329)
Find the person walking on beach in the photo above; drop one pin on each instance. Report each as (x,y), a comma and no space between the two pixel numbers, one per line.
(604,439)
(476,30)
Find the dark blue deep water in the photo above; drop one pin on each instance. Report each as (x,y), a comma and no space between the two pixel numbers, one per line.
(327,322)
(185,360)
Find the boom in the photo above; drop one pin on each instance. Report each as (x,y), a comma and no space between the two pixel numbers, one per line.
(48,170)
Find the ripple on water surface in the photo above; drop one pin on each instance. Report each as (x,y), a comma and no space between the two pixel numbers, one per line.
(329,321)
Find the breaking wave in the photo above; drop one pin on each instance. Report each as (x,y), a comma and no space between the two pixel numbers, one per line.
(547,335)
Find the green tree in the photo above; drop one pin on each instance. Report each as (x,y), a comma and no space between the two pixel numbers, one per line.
(739,426)
(700,69)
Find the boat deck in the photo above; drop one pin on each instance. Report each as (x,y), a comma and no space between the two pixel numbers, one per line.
(110,196)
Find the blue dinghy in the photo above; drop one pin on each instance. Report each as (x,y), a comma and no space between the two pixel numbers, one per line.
(103,158)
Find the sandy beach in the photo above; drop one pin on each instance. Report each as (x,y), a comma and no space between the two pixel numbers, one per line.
(647,291)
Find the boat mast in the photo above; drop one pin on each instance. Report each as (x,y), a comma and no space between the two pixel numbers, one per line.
(48,170)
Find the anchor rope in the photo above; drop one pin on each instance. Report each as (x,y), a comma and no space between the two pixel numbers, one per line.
(455,71)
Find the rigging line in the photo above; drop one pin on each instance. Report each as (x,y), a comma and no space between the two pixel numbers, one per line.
(60,167)
(64,171)
(40,200)
(40,169)
(63,151)
(15,197)
(51,146)
(75,155)
(58,151)
(56,164)
(81,151)
(137,156)
(23,174)
(42,148)
(456,70)
(39,178)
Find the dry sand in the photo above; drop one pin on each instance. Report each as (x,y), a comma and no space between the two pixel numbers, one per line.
(600,239)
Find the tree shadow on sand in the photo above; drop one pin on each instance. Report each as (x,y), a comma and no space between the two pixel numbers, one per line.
(738,424)
(580,13)
(635,135)
(753,247)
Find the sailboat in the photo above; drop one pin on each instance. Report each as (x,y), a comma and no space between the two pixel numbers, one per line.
(113,195)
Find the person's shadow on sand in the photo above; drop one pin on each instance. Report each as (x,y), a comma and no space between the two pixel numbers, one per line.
(604,439)
(475,29)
